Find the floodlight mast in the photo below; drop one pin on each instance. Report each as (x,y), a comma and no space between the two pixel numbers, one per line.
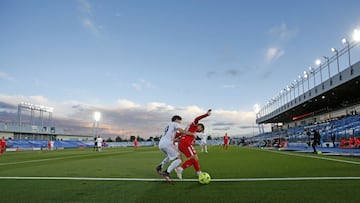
(318,63)
(97,116)
(272,104)
(33,108)
(345,42)
(328,64)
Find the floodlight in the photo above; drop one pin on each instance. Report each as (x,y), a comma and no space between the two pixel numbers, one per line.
(97,116)
(344,41)
(305,74)
(356,35)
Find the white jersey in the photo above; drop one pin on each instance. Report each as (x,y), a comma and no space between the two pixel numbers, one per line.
(99,141)
(202,136)
(169,134)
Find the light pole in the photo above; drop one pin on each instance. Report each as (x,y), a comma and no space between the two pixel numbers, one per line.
(288,93)
(312,71)
(307,78)
(318,63)
(337,58)
(293,86)
(302,82)
(97,116)
(345,42)
(282,93)
(296,82)
(328,64)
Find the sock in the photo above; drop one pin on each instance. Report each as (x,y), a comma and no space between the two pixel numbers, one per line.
(180,169)
(196,166)
(165,161)
(173,165)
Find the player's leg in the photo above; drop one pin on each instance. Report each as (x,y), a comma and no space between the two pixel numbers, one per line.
(174,157)
(163,162)
(192,158)
(313,146)
(186,150)
(182,146)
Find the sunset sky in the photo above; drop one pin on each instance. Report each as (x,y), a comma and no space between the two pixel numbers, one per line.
(140,62)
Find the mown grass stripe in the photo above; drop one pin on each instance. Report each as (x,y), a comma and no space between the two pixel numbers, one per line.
(58,158)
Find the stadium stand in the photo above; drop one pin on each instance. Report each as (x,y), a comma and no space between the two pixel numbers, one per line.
(331,105)
(17,145)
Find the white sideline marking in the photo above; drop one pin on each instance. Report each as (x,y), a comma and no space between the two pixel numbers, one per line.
(316,157)
(183,180)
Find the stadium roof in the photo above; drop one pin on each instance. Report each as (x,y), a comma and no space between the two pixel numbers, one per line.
(334,95)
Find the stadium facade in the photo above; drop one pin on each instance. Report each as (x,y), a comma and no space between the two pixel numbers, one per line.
(321,94)
(34,122)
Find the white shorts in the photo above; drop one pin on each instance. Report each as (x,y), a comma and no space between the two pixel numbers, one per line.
(170,150)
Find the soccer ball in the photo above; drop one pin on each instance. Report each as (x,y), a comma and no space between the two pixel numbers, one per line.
(204,178)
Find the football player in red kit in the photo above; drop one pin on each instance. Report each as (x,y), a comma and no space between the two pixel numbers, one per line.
(226,142)
(2,145)
(186,146)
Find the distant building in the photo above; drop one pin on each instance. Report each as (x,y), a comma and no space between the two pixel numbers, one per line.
(36,132)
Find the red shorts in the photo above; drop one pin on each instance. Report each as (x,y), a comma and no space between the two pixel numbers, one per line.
(186,149)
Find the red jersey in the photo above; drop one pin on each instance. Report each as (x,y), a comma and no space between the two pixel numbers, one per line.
(226,139)
(192,128)
(2,143)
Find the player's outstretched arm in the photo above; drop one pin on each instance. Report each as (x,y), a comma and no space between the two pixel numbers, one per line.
(197,119)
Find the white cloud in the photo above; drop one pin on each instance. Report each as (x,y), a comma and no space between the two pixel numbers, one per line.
(89,24)
(280,36)
(85,7)
(38,100)
(156,106)
(5,76)
(87,17)
(130,118)
(17,99)
(141,84)
(273,53)
(126,104)
(282,32)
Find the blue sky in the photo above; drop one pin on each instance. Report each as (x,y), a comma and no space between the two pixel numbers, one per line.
(140,62)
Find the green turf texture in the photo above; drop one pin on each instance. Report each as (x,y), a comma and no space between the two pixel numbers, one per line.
(237,162)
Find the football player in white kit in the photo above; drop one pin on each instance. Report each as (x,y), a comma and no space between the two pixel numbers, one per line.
(203,143)
(99,142)
(167,145)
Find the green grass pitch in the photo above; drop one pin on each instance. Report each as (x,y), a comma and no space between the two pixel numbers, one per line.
(128,175)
